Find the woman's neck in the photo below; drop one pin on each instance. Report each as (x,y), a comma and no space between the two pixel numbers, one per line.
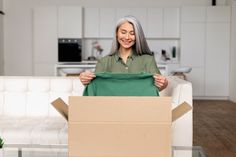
(125,53)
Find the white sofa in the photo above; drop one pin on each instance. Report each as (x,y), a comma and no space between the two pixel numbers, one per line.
(26,115)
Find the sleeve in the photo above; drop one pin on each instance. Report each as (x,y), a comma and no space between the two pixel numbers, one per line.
(89,90)
(152,66)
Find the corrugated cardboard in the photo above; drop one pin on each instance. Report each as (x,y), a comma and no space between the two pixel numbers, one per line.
(180,110)
(61,107)
(120,126)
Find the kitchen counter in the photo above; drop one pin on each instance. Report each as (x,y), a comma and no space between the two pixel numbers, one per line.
(65,69)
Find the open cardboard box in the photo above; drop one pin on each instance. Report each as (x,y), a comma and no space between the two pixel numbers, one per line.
(120,126)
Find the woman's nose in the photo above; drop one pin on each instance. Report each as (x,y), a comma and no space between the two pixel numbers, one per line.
(127,36)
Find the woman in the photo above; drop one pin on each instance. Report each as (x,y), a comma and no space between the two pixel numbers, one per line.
(129,54)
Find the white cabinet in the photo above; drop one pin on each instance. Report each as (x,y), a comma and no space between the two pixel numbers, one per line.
(107,22)
(217,51)
(70,22)
(205,46)
(171,23)
(197,77)
(163,23)
(121,12)
(91,22)
(193,44)
(193,39)
(193,14)
(218,14)
(99,22)
(44,40)
(217,59)
(154,22)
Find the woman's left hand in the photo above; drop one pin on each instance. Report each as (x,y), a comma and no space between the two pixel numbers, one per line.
(160,81)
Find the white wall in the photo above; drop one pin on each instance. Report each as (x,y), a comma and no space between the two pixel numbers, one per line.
(1,40)
(232,92)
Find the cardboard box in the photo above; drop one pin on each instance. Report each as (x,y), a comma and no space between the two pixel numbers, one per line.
(120,126)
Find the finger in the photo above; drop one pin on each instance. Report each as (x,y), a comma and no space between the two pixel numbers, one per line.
(87,72)
(87,77)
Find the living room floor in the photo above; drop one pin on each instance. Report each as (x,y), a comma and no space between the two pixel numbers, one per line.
(214,127)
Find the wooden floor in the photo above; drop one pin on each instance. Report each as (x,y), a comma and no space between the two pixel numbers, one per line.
(214,127)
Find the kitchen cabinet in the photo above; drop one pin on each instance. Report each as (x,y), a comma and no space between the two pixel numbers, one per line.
(154,22)
(217,51)
(121,12)
(44,40)
(107,22)
(193,39)
(171,23)
(193,44)
(197,77)
(91,22)
(217,59)
(99,22)
(193,14)
(218,14)
(163,23)
(205,46)
(70,22)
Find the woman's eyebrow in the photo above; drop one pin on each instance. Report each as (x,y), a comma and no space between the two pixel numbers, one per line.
(122,29)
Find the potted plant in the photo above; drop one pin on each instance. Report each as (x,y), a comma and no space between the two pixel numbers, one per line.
(1,145)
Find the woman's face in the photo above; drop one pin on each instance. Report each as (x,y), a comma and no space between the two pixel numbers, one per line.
(126,35)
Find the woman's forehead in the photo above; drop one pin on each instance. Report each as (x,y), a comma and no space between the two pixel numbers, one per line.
(126,25)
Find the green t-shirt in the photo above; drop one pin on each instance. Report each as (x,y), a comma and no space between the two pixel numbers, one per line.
(118,84)
(135,64)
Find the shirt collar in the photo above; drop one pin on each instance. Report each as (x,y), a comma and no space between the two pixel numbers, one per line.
(132,55)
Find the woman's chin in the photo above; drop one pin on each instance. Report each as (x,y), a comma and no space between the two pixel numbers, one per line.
(127,46)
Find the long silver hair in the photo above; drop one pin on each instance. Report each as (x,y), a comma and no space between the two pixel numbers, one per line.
(140,46)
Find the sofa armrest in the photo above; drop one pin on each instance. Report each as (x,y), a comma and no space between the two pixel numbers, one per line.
(182,129)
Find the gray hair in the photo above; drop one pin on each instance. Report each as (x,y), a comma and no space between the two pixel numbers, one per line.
(140,46)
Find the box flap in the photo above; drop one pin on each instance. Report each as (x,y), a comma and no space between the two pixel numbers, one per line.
(61,107)
(180,110)
(177,112)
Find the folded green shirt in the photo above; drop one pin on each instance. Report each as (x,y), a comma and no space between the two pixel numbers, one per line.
(122,84)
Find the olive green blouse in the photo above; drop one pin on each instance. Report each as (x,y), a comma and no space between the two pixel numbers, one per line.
(135,64)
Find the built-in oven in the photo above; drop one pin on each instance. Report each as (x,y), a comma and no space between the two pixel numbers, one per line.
(69,50)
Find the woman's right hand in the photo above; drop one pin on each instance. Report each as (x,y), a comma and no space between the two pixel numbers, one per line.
(86,77)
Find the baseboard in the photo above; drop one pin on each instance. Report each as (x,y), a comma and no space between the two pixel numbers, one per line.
(211,97)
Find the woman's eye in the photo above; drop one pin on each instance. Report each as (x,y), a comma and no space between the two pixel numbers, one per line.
(131,33)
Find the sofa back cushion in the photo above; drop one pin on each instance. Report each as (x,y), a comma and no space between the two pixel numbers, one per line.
(32,96)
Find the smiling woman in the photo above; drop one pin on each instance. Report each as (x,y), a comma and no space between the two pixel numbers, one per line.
(130,53)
